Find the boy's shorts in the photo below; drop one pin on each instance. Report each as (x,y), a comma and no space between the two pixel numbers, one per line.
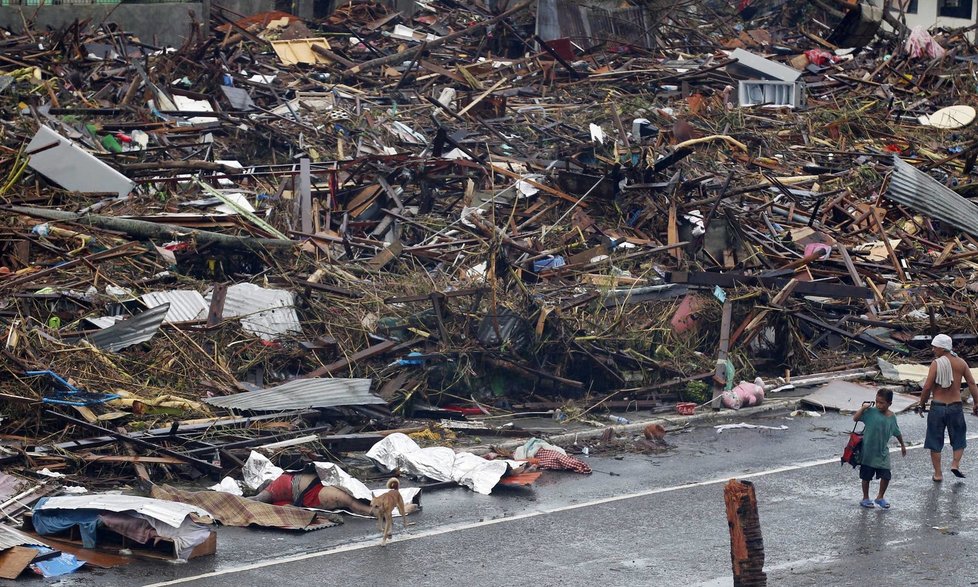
(867,473)
(950,416)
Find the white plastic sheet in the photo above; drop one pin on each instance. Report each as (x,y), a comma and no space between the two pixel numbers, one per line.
(228,485)
(332,475)
(258,469)
(399,451)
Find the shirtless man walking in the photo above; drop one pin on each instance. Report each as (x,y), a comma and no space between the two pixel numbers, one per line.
(947,409)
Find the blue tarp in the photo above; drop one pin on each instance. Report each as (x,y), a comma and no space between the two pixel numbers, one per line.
(48,522)
(63,564)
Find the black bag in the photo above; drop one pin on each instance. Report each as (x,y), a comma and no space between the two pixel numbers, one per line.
(853,452)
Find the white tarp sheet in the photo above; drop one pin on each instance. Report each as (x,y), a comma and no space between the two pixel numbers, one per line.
(399,451)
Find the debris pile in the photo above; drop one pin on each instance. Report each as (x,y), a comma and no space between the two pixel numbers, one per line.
(302,235)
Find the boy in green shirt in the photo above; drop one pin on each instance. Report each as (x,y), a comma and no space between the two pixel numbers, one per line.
(879,425)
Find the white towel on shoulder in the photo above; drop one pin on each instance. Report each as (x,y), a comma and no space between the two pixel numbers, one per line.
(944,372)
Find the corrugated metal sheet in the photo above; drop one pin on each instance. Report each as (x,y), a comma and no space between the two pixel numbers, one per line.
(105,321)
(918,190)
(11,537)
(168,512)
(588,25)
(133,330)
(185,305)
(267,313)
(302,394)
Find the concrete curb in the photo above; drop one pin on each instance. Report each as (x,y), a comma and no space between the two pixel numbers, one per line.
(671,424)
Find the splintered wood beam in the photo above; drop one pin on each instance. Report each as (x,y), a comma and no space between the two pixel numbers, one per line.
(672,232)
(203,465)
(720,374)
(805,288)
(889,249)
(373,351)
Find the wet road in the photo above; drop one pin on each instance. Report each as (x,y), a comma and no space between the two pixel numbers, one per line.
(658,520)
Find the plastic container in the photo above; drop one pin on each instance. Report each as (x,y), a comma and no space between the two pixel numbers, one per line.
(686,408)
(618,419)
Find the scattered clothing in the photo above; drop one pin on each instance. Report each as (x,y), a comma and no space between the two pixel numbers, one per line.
(945,374)
(551,459)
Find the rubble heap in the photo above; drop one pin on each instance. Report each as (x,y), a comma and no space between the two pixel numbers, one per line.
(337,228)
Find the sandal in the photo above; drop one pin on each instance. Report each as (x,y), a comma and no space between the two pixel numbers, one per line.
(883,503)
(867,503)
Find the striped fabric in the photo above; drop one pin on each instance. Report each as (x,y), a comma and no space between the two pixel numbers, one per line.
(551,459)
(232,510)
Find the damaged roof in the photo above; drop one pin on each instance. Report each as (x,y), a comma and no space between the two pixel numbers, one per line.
(301,393)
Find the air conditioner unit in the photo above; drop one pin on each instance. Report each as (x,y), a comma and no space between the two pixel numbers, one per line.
(771,93)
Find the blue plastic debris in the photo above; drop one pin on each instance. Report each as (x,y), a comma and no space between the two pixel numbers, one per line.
(412,358)
(63,564)
(69,395)
(550,262)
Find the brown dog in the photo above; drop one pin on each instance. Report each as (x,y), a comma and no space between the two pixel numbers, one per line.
(383,507)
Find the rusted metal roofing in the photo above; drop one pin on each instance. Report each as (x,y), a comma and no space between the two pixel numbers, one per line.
(133,330)
(918,190)
(11,537)
(301,394)
(589,25)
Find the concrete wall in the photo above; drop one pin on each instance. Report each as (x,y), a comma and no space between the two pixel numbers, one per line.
(156,24)
(161,23)
(927,17)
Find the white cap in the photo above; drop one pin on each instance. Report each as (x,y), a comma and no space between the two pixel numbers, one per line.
(942,341)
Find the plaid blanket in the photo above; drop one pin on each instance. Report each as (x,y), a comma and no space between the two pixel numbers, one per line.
(232,510)
(551,459)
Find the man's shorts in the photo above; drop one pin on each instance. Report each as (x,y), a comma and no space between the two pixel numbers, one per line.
(951,417)
(867,473)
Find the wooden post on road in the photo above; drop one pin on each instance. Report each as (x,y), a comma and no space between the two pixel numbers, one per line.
(746,544)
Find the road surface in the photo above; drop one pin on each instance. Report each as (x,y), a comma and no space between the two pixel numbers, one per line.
(638,520)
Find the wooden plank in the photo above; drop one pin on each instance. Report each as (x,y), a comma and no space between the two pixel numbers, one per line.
(135,459)
(385,256)
(137,465)
(14,560)
(204,465)
(426,297)
(216,311)
(672,232)
(538,185)
(815,288)
(720,375)
(305,195)
(856,278)
(889,250)
(377,349)
(861,337)
(436,300)
(750,324)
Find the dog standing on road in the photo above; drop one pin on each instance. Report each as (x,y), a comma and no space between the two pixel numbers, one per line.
(383,507)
